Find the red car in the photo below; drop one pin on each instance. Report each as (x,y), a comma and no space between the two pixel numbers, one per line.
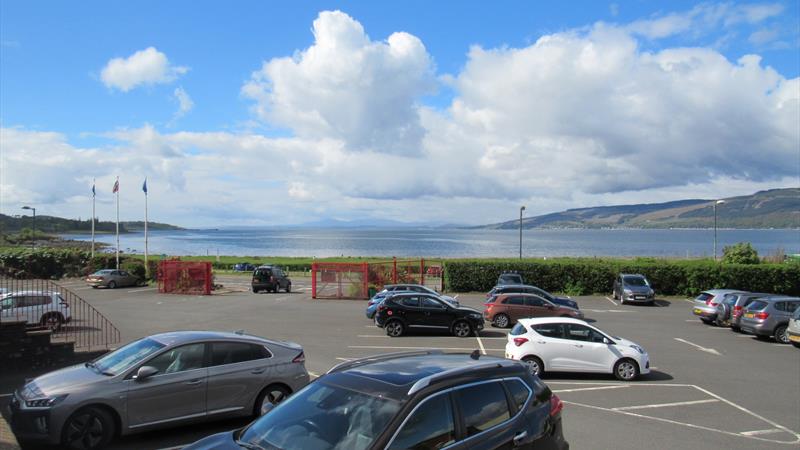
(504,310)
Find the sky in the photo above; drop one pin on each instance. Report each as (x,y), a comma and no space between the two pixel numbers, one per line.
(270,114)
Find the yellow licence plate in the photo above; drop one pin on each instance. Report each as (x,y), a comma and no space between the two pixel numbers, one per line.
(749,315)
(697,311)
(794,338)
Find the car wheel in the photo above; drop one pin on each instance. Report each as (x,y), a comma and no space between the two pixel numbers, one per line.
(626,370)
(705,321)
(781,335)
(289,288)
(255,291)
(394,328)
(534,364)
(112,285)
(270,397)
(88,429)
(462,329)
(501,321)
(52,321)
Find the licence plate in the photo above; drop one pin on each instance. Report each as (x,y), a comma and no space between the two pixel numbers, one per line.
(697,311)
(794,338)
(749,315)
(639,297)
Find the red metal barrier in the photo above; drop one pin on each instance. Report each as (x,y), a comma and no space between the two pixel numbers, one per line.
(184,277)
(355,280)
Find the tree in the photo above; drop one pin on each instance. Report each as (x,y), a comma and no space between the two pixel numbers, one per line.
(741,253)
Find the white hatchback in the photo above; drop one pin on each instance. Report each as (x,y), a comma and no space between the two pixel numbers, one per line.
(561,344)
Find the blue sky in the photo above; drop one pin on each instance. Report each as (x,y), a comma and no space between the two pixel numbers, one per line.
(53,56)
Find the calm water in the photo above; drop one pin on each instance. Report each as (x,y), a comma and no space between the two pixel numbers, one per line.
(449,242)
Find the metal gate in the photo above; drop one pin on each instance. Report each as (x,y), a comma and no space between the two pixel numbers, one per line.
(359,280)
(184,277)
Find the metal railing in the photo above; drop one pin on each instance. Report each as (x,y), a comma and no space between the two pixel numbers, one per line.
(45,305)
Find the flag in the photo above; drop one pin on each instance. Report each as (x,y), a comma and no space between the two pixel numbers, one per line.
(116,186)
(144,186)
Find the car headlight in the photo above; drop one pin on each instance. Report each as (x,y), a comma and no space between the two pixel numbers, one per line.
(638,349)
(47,402)
(475,316)
(627,291)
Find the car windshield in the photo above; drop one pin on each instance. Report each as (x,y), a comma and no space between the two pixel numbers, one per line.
(511,278)
(124,358)
(636,281)
(323,417)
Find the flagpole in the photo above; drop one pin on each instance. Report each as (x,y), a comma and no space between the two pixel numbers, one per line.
(93,216)
(117,223)
(146,267)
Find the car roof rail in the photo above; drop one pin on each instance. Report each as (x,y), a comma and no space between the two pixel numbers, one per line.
(369,359)
(422,383)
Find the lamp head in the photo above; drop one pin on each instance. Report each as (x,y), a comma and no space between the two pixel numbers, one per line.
(26,207)
(522,208)
(719,202)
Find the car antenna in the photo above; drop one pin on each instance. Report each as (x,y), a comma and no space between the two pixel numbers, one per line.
(239,332)
(475,354)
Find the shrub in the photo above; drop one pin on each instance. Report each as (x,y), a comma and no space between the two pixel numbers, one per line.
(135,267)
(741,253)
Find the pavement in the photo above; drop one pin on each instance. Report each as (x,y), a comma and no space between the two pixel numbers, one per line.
(710,388)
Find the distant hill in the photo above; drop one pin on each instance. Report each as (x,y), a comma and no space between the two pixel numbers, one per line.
(775,208)
(51,224)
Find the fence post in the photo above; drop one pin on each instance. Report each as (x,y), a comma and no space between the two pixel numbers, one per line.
(365,287)
(313,280)
(208,278)
(422,271)
(394,270)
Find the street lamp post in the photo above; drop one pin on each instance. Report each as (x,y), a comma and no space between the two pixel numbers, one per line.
(33,239)
(522,208)
(718,202)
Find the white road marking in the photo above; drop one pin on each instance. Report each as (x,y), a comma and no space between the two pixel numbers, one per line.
(143,290)
(620,311)
(665,405)
(744,335)
(693,320)
(612,301)
(480,344)
(345,359)
(699,347)
(371,336)
(456,297)
(385,347)
(759,432)
(6,395)
(596,388)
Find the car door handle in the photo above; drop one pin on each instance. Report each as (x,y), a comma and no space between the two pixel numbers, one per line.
(258,371)
(193,382)
(579,345)
(519,437)
(541,342)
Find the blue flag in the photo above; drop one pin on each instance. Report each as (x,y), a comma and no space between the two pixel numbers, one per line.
(93,192)
(144,186)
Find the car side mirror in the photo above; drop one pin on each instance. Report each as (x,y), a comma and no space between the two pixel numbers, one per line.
(551,306)
(606,341)
(144,373)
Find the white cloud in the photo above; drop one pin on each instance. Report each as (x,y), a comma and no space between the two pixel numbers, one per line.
(348,87)
(185,104)
(144,67)
(763,36)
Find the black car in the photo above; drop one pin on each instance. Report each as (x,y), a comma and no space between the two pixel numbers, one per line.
(270,279)
(403,311)
(509,278)
(528,289)
(413,400)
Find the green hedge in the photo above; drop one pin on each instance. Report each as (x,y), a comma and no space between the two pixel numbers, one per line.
(58,263)
(585,276)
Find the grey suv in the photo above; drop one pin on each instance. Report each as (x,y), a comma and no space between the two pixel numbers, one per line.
(158,381)
(633,288)
(769,316)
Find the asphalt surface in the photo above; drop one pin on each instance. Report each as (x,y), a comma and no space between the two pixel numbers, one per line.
(709,388)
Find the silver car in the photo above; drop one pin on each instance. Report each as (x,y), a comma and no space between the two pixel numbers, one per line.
(793,332)
(111,279)
(43,308)
(769,316)
(158,381)
(705,304)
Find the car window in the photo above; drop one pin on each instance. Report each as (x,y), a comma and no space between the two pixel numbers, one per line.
(542,293)
(126,357)
(428,302)
(516,301)
(792,306)
(518,329)
(409,301)
(179,359)
(553,330)
(757,305)
(577,332)
(236,352)
(704,296)
(483,406)
(534,301)
(780,306)
(7,303)
(430,426)
(277,272)
(33,300)
(519,392)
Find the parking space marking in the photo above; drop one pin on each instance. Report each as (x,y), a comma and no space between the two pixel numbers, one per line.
(612,301)
(596,388)
(759,432)
(480,344)
(142,290)
(385,347)
(700,347)
(666,405)
(5,395)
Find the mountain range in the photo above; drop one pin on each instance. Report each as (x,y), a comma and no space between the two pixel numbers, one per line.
(774,208)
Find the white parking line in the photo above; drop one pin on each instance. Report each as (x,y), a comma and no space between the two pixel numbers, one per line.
(142,290)
(699,347)
(5,395)
(612,301)
(480,344)
(386,347)
(760,432)
(596,388)
(666,405)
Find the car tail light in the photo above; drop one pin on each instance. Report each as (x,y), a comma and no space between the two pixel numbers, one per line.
(737,308)
(761,315)
(556,405)
(301,358)
(381,307)
(520,340)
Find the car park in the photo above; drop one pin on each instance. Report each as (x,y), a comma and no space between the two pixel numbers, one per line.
(769,316)
(403,311)
(112,278)
(270,279)
(37,308)
(506,309)
(793,330)
(705,304)
(562,344)
(528,289)
(633,288)
(415,400)
(158,381)
(509,278)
